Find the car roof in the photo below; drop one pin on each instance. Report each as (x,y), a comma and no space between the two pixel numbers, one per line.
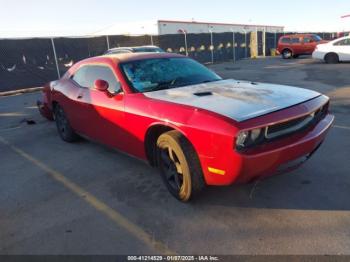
(340,38)
(128,57)
(133,47)
(298,35)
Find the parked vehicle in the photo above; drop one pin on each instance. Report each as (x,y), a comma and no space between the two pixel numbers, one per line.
(300,44)
(334,51)
(135,49)
(183,118)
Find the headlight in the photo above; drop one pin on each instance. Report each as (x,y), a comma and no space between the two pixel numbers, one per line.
(248,138)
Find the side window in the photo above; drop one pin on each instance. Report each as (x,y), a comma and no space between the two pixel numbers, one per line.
(87,75)
(307,39)
(104,73)
(295,40)
(285,40)
(80,77)
(344,42)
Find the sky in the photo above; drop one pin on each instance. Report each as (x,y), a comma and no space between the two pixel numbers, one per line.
(83,17)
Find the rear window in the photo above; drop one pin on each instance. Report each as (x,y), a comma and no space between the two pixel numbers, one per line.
(148,50)
(285,40)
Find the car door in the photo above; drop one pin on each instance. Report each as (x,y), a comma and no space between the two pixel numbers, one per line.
(342,48)
(308,45)
(296,45)
(78,109)
(101,113)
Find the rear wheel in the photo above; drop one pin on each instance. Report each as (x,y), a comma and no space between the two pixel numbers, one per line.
(331,58)
(287,54)
(64,129)
(179,165)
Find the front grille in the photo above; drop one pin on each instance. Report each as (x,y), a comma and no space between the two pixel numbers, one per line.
(295,125)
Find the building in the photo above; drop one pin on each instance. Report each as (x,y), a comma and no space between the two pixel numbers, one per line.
(164,27)
(174,27)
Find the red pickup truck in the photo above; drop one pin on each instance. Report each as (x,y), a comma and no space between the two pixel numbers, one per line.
(299,44)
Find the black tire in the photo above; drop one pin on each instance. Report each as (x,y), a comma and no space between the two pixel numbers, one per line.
(331,58)
(179,166)
(295,56)
(287,54)
(64,129)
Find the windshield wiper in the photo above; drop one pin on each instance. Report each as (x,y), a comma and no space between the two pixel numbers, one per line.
(170,84)
(165,85)
(208,81)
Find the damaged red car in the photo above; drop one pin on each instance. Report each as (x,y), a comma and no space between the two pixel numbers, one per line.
(197,128)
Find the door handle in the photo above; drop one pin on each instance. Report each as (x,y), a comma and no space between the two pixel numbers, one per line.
(80,97)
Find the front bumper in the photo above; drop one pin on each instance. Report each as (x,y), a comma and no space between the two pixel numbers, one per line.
(283,156)
(275,157)
(44,110)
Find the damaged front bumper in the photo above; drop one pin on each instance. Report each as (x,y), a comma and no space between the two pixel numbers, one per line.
(44,110)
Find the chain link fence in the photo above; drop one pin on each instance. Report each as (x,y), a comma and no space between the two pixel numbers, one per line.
(26,63)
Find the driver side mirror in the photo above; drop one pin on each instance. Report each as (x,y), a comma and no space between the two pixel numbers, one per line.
(101,85)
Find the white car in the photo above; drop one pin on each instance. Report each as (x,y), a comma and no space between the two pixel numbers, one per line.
(334,51)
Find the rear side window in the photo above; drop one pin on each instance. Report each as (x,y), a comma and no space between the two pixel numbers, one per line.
(295,40)
(285,40)
(87,75)
(80,77)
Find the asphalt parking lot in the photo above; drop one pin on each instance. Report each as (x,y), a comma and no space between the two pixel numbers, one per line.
(84,198)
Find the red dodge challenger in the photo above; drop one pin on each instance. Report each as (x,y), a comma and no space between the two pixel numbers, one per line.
(181,117)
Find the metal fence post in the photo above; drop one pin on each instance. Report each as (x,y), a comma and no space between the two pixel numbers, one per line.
(275,40)
(185,34)
(186,43)
(264,42)
(234,47)
(55,55)
(257,41)
(107,38)
(211,46)
(246,48)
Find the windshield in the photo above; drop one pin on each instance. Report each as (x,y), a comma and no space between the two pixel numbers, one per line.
(165,73)
(316,38)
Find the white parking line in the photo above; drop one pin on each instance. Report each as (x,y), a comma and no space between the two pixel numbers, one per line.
(342,127)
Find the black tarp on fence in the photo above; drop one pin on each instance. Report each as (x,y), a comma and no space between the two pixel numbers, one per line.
(72,50)
(28,63)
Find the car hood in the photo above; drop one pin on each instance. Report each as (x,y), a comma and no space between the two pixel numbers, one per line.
(237,100)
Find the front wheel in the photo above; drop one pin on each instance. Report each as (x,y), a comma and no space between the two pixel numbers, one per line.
(64,129)
(179,165)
